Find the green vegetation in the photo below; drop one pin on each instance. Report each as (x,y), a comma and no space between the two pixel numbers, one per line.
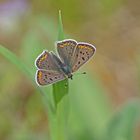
(78,109)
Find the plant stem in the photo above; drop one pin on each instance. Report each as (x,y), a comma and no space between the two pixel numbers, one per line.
(58,120)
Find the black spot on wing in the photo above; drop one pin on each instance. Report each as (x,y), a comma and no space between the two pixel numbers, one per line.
(87,53)
(51,79)
(83,58)
(46,76)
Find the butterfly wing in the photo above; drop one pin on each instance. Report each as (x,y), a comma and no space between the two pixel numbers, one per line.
(44,77)
(66,49)
(82,54)
(46,61)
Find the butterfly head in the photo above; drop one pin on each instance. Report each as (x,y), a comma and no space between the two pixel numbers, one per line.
(70,75)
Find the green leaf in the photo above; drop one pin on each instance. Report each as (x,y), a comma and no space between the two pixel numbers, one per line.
(122,125)
(60,89)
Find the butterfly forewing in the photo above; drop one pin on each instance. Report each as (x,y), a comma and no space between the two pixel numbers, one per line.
(82,54)
(45,61)
(44,77)
(66,49)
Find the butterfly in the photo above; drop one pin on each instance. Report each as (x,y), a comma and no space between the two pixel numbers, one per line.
(52,68)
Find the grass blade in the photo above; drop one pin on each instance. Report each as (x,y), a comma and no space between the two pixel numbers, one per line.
(27,71)
(15,60)
(61,88)
(60,32)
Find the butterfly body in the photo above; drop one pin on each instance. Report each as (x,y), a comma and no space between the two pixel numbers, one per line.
(62,66)
(71,56)
(67,71)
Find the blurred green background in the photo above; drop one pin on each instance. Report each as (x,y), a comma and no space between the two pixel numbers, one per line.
(104,103)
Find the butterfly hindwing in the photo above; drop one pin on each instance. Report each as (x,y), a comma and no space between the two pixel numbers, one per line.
(82,54)
(66,49)
(45,61)
(44,77)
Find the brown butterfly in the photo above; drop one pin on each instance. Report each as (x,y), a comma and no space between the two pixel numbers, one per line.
(71,56)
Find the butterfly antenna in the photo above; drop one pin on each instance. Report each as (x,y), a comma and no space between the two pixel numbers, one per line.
(84,72)
(80,73)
